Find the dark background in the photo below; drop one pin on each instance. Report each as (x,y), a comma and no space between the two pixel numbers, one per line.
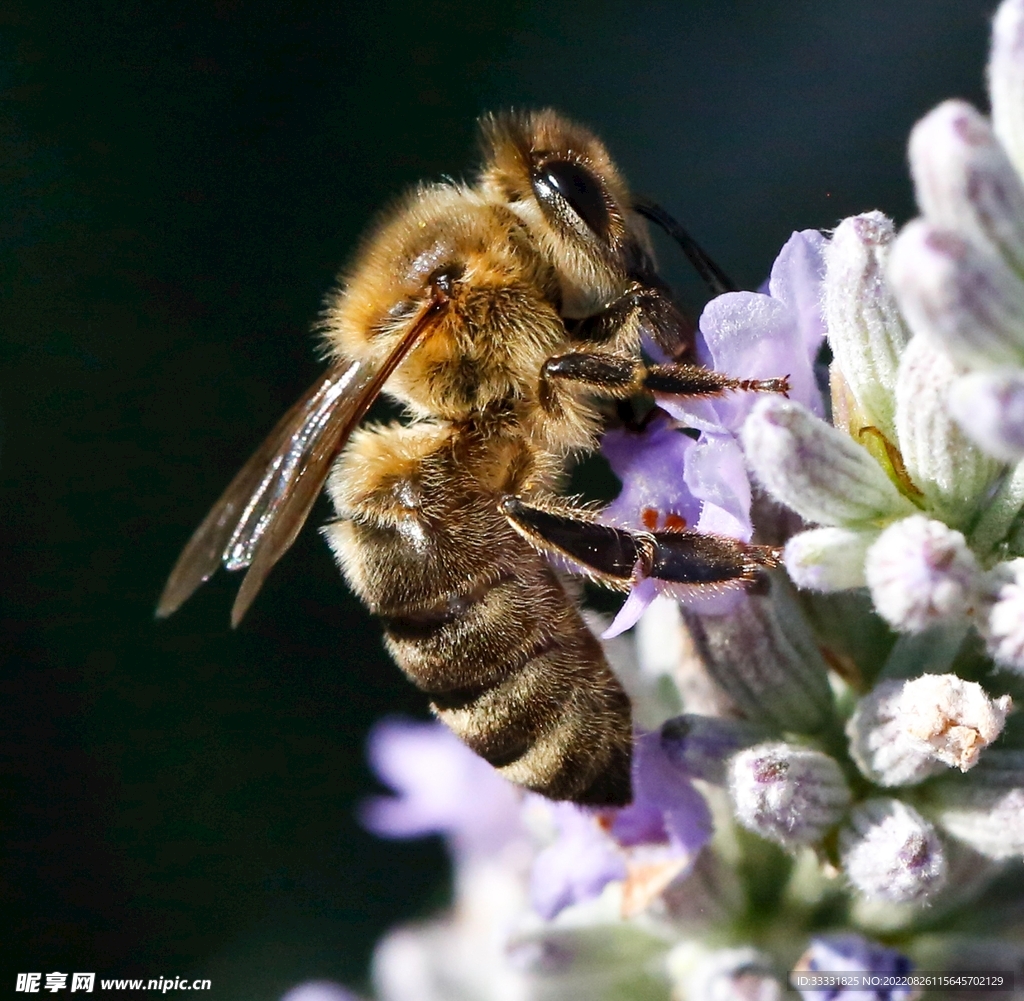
(179,185)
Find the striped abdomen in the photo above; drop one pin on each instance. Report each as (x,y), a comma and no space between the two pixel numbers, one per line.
(477,619)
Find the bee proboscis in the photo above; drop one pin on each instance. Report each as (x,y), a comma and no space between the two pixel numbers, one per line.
(499,315)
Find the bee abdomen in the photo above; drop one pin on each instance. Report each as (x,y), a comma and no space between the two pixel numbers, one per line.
(476,617)
(514,672)
(559,724)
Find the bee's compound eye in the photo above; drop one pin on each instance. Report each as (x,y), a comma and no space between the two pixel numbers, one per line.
(577,186)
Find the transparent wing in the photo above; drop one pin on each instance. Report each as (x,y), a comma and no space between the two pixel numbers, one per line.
(261,512)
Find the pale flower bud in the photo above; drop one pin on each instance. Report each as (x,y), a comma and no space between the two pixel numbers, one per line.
(920,573)
(989,406)
(890,852)
(956,719)
(1006,79)
(949,469)
(880,744)
(1004,631)
(966,301)
(790,795)
(828,559)
(815,469)
(866,331)
(965,182)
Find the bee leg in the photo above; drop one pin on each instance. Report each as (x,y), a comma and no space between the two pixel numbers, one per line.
(619,377)
(648,303)
(693,380)
(619,558)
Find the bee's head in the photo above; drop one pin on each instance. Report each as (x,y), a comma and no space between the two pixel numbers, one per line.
(559,179)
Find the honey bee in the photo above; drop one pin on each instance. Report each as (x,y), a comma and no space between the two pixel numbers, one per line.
(499,314)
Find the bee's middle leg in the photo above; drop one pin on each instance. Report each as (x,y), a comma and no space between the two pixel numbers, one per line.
(620,376)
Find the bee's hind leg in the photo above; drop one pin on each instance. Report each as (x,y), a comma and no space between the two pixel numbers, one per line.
(619,558)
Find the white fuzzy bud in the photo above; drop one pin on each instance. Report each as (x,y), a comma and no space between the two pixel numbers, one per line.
(950,470)
(828,559)
(1006,79)
(1004,630)
(965,182)
(790,795)
(989,406)
(890,852)
(881,745)
(865,329)
(815,469)
(966,301)
(902,732)
(955,719)
(921,573)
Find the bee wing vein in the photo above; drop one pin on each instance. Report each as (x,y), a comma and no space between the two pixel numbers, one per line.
(259,515)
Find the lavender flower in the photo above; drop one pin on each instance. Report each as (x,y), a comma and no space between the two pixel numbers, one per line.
(820,771)
(443,788)
(750,335)
(854,954)
(578,865)
(649,843)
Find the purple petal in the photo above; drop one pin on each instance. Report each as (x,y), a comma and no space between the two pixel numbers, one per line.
(650,466)
(640,823)
(753,336)
(850,953)
(640,596)
(658,781)
(733,325)
(575,867)
(716,472)
(693,412)
(796,280)
(442,787)
(689,823)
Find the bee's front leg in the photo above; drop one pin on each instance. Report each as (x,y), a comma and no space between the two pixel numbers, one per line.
(619,558)
(643,305)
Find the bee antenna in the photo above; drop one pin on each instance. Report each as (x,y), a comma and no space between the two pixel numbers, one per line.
(714,277)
